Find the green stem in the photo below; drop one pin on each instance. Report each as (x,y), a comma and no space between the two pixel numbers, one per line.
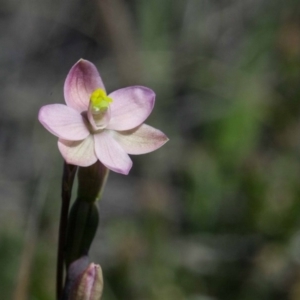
(67,184)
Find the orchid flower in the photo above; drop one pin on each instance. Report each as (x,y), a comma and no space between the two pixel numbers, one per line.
(96,126)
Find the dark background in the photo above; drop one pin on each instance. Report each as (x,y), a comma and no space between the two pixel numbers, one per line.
(214,214)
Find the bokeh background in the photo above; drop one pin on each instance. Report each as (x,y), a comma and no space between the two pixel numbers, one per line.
(215,213)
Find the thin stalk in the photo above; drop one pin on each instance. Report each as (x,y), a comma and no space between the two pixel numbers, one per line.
(66,192)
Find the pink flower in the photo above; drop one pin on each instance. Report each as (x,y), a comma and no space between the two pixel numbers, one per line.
(95,126)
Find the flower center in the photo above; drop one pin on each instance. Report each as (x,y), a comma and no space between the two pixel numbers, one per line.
(100,101)
(99,112)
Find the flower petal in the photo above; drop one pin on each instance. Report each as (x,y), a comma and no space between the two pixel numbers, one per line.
(140,140)
(81,81)
(130,107)
(111,154)
(79,153)
(63,121)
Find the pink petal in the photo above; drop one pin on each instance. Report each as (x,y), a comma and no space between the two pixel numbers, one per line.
(111,154)
(79,153)
(63,121)
(81,81)
(140,140)
(130,107)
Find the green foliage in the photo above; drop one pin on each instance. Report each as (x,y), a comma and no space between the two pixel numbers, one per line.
(10,248)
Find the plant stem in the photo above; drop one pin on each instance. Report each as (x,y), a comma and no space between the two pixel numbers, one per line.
(66,192)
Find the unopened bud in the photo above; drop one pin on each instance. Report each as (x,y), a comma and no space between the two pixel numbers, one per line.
(89,285)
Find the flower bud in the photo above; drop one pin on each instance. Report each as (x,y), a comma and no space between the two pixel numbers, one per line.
(89,285)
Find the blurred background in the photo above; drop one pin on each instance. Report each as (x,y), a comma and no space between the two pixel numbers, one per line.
(212,215)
